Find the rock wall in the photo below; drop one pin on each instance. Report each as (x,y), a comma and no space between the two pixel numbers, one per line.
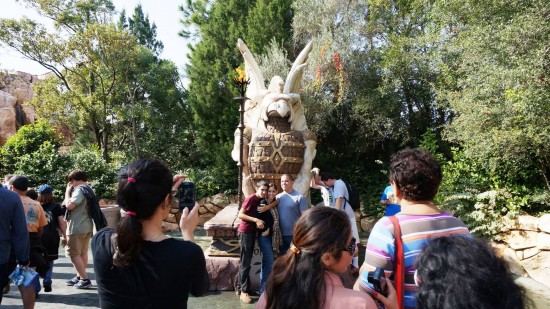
(526,247)
(15,91)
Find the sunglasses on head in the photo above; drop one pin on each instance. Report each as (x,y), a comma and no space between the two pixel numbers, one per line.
(351,247)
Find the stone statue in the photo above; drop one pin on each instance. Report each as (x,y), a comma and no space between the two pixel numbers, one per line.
(277,140)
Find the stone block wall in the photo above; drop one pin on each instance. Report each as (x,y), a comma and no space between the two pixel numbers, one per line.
(526,248)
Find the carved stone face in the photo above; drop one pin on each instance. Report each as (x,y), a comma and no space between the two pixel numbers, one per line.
(279,107)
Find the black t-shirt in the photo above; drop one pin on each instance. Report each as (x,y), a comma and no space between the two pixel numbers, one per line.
(168,271)
(50,235)
(266,217)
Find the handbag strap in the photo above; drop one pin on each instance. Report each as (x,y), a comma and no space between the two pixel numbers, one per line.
(399,274)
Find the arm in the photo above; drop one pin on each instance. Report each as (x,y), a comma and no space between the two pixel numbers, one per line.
(245,217)
(63,228)
(315,180)
(379,253)
(19,233)
(188,222)
(338,203)
(268,207)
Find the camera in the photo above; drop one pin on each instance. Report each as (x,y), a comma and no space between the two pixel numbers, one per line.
(378,279)
(186,195)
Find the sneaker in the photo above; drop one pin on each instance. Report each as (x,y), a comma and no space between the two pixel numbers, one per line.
(73,281)
(83,284)
(245,298)
(47,287)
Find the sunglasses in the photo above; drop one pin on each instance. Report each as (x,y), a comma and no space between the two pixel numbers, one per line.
(351,247)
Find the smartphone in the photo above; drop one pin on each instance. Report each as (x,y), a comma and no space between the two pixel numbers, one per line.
(378,279)
(186,195)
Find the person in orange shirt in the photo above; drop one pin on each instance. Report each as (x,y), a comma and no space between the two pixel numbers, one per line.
(36,220)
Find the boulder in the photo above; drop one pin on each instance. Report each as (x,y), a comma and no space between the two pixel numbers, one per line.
(521,239)
(543,241)
(367,223)
(219,200)
(8,125)
(527,223)
(544,223)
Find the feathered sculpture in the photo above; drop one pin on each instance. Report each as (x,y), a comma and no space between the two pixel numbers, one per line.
(277,140)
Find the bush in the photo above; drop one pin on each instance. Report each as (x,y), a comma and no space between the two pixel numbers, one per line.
(28,139)
(101,175)
(485,203)
(34,152)
(208,182)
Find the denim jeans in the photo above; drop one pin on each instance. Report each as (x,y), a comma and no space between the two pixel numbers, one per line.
(266,246)
(247,251)
(49,272)
(286,244)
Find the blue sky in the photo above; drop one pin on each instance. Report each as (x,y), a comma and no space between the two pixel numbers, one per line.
(165,14)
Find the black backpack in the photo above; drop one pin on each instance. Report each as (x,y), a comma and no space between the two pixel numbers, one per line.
(354,197)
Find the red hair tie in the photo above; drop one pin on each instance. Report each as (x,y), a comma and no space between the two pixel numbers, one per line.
(131,213)
(132,179)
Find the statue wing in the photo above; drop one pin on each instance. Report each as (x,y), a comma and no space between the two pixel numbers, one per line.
(253,72)
(294,78)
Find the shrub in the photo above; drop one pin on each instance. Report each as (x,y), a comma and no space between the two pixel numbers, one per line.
(101,175)
(27,140)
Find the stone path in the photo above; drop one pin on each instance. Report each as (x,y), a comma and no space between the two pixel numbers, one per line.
(64,297)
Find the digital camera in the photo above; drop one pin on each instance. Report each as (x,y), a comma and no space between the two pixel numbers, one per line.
(378,279)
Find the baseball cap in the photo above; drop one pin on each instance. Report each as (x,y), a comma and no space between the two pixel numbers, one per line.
(45,189)
(20,182)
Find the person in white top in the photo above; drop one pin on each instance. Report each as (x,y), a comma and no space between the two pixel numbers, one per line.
(317,183)
(340,197)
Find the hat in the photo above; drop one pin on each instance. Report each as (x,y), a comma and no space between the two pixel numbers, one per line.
(20,182)
(45,189)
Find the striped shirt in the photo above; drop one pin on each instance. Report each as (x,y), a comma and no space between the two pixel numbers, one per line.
(417,231)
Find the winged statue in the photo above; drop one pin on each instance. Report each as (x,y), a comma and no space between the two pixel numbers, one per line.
(276,138)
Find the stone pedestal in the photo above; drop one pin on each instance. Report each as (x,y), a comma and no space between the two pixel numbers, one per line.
(222,258)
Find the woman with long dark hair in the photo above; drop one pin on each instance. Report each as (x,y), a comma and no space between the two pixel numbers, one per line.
(269,238)
(138,266)
(306,276)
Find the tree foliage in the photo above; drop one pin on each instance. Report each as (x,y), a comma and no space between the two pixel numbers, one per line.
(212,64)
(108,83)
(500,64)
(34,152)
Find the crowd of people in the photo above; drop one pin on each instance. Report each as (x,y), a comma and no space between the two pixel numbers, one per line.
(427,257)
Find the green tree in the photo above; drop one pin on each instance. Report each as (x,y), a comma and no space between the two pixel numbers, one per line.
(86,59)
(142,29)
(212,62)
(108,85)
(500,66)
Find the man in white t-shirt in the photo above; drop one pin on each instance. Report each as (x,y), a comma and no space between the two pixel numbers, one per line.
(340,196)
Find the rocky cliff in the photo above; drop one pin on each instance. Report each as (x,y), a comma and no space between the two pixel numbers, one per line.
(15,92)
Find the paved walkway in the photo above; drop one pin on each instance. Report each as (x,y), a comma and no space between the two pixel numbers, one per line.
(64,297)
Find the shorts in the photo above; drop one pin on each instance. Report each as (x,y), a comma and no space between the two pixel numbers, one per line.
(77,244)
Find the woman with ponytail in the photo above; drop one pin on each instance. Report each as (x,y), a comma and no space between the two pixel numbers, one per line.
(306,276)
(138,266)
